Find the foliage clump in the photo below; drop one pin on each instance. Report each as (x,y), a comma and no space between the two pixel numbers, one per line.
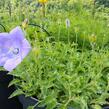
(60,76)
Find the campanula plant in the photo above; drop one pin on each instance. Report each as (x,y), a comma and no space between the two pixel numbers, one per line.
(60,77)
(67,68)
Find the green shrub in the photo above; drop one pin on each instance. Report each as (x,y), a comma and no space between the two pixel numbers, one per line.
(60,76)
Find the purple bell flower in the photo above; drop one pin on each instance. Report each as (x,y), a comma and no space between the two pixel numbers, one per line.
(13,48)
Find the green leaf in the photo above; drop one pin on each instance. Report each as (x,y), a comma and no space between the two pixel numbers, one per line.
(51,105)
(14,81)
(62,106)
(16,93)
(97,107)
(30,107)
(48,99)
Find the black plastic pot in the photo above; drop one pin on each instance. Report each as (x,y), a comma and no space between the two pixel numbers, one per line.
(6,91)
(106,107)
(28,101)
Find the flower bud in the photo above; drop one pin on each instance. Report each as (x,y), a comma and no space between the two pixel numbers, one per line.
(67,23)
(25,23)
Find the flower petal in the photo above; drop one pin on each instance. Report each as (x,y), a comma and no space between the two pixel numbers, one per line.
(12,63)
(3,37)
(3,60)
(17,33)
(25,48)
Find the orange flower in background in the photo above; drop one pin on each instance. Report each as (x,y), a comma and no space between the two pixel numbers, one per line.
(43,1)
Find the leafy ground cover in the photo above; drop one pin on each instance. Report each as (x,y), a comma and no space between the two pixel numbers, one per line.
(69,62)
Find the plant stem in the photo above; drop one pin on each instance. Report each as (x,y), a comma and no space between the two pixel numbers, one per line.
(93,11)
(3,27)
(36,25)
(68,35)
(43,9)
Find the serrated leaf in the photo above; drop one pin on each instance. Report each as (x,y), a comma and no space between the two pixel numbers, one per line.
(16,93)
(51,105)
(97,107)
(62,106)
(48,99)
(14,81)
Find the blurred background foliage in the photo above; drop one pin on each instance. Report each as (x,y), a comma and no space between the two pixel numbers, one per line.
(89,19)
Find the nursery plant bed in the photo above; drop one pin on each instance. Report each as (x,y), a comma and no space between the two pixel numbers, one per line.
(5,92)
(52,84)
